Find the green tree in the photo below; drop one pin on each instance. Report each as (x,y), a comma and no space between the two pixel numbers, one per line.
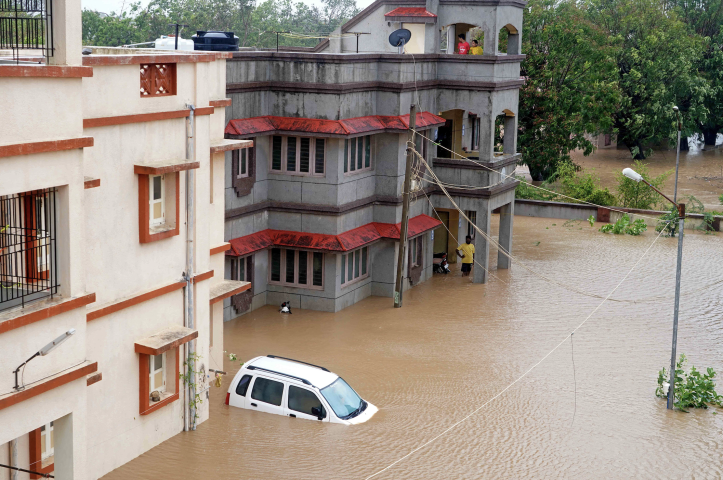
(632,194)
(656,61)
(570,87)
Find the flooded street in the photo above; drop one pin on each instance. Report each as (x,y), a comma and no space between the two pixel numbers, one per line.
(454,345)
(701,171)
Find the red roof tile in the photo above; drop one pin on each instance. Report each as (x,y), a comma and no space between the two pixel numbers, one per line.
(351,126)
(344,242)
(410,12)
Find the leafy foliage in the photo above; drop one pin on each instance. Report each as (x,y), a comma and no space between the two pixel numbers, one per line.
(571,85)
(582,186)
(632,194)
(693,389)
(624,225)
(669,222)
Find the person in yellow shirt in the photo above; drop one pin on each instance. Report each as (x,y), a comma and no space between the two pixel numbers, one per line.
(466,252)
(476,49)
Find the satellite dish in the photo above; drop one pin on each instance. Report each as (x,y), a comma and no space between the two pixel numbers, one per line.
(399,38)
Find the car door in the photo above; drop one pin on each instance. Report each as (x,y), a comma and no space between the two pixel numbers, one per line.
(302,403)
(266,396)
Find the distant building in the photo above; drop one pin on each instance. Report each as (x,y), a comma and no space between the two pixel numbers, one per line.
(312,212)
(95,156)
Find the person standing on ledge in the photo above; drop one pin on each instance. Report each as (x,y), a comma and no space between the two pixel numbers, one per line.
(476,49)
(466,253)
(462,46)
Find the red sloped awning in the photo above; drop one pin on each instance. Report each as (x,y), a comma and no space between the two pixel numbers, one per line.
(411,15)
(269,125)
(344,242)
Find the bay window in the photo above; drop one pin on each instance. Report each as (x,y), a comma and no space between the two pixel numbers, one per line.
(357,154)
(354,266)
(296,268)
(298,155)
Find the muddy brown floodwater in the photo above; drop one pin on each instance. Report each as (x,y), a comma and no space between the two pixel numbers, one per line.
(454,345)
(700,172)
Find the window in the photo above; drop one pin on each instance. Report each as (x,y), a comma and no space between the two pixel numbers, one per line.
(304,401)
(415,251)
(357,154)
(28,247)
(243,385)
(47,444)
(296,268)
(158,80)
(157,373)
(158,206)
(267,391)
(472,215)
(241,269)
(243,162)
(354,265)
(158,210)
(298,155)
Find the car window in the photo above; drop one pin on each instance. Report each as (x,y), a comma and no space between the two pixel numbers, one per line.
(267,391)
(302,400)
(243,385)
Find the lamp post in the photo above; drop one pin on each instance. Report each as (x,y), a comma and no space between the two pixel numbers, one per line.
(633,175)
(42,352)
(677,154)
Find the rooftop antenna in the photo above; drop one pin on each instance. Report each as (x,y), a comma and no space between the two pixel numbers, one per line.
(177,25)
(399,38)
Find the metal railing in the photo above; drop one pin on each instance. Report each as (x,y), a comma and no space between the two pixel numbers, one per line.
(26,25)
(28,248)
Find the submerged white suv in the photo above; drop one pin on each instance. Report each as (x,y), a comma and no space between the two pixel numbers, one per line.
(289,387)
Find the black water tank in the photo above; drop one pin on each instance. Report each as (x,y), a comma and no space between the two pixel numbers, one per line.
(215,41)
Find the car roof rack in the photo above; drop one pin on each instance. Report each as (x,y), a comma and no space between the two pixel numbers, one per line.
(298,361)
(303,380)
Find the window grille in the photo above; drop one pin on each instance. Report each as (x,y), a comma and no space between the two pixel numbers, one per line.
(26,25)
(28,249)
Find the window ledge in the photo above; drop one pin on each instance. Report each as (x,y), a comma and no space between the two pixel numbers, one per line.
(227,288)
(166,227)
(167,400)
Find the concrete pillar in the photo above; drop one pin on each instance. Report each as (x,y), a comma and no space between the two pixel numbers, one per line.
(67,33)
(490,40)
(514,44)
(451,38)
(481,245)
(509,142)
(69,453)
(507,215)
(486,135)
(432,35)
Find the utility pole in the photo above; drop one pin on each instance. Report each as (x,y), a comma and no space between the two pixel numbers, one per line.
(405,208)
(677,154)
(177,25)
(681,227)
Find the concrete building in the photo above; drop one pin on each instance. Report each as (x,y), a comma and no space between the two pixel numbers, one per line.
(299,198)
(101,156)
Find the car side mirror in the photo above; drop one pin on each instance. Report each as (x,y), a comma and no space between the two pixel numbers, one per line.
(318,412)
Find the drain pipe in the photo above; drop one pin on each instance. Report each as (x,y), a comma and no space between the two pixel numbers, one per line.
(190,229)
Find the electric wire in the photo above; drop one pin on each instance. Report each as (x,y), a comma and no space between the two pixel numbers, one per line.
(501,392)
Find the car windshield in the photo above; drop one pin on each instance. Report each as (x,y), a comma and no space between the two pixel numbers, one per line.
(342,399)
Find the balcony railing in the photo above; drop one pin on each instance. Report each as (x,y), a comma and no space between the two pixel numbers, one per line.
(28,248)
(26,25)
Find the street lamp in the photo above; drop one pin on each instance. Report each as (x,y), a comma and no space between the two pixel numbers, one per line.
(633,175)
(42,352)
(677,154)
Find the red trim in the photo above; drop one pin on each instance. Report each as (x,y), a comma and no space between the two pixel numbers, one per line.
(36,455)
(94,379)
(104,60)
(221,249)
(178,167)
(47,312)
(41,388)
(175,344)
(43,147)
(144,212)
(46,71)
(144,297)
(226,102)
(350,126)
(92,183)
(143,117)
(347,241)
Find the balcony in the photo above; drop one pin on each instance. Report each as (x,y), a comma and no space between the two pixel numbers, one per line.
(26,29)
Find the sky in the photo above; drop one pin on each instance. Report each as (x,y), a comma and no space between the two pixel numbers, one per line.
(107,6)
